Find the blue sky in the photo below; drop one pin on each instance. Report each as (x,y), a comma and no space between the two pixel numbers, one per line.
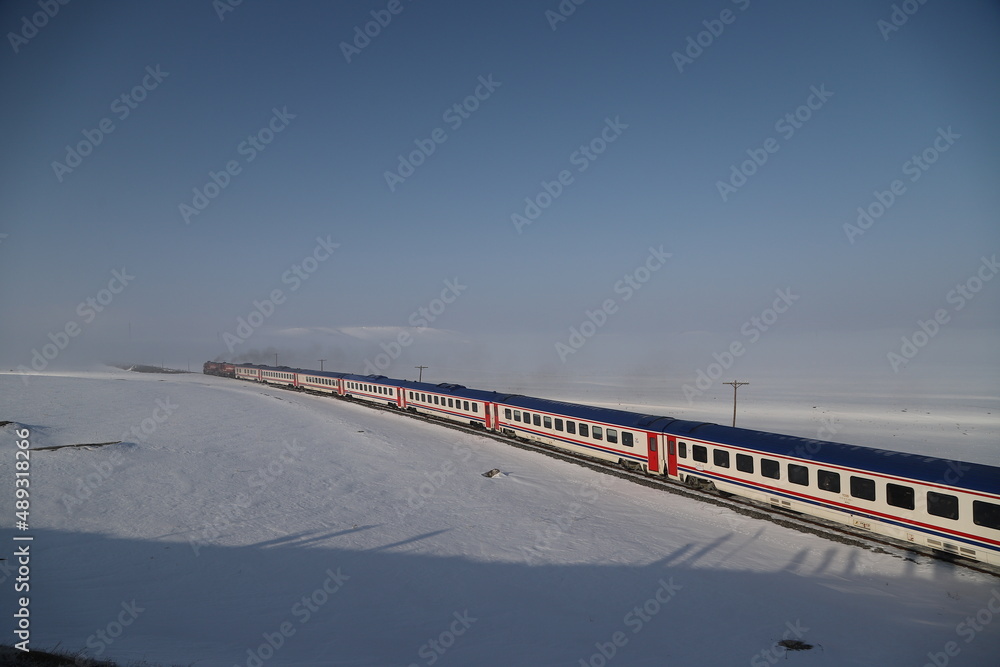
(886,95)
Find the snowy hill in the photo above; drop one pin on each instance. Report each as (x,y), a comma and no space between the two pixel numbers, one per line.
(244,525)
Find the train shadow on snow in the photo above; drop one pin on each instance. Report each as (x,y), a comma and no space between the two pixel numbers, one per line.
(321,598)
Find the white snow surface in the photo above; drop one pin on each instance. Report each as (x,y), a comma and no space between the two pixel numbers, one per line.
(206,529)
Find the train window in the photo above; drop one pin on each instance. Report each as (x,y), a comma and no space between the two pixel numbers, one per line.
(451,403)
(597,432)
(506,413)
(898,495)
(437,400)
(612,436)
(465,405)
(942,504)
(770,468)
(798,474)
(863,488)
(547,422)
(720,457)
(390,392)
(627,439)
(699,453)
(475,407)
(828,481)
(527,417)
(517,415)
(583,430)
(682,450)
(986,514)
(411,395)
(571,427)
(559,424)
(538,420)
(744,463)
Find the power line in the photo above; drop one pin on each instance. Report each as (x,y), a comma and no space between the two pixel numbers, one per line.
(736,385)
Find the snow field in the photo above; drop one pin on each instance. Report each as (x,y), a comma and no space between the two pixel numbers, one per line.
(256,526)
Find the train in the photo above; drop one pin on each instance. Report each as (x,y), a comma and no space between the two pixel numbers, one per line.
(950,507)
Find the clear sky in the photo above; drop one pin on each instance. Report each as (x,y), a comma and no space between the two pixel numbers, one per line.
(740,138)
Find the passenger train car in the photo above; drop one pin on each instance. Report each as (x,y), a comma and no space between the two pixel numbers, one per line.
(949,506)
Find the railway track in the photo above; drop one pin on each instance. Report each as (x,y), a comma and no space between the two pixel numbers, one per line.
(746,507)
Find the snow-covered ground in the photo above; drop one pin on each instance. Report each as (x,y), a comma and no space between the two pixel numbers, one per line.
(245,525)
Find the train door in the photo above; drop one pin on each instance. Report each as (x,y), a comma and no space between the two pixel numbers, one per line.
(399,397)
(671,456)
(496,416)
(654,453)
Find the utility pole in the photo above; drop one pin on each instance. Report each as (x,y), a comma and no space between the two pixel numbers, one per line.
(321,365)
(421,378)
(736,385)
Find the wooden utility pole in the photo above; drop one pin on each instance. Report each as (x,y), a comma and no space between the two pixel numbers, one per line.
(736,385)
(421,378)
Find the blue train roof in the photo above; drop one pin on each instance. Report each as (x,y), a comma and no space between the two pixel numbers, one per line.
(622,418)
(288,369)
(934,470)
(931,469)
(452,389)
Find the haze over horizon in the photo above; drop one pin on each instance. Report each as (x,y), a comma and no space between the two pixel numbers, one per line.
(622,189)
